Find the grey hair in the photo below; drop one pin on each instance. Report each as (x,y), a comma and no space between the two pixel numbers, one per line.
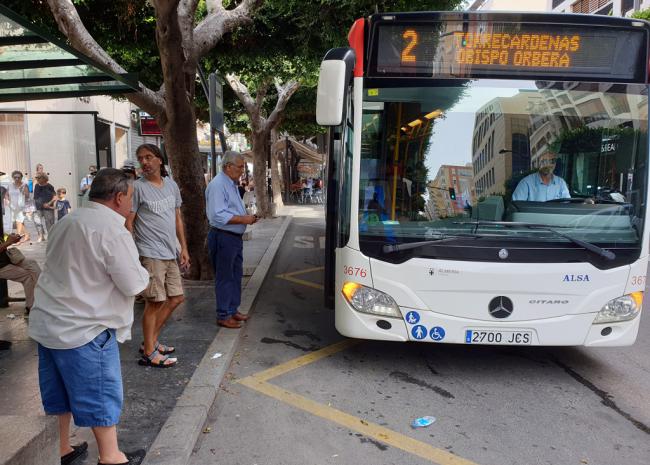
(230,157)
(108,183)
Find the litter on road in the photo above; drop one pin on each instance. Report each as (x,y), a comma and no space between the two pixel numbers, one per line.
(423,422)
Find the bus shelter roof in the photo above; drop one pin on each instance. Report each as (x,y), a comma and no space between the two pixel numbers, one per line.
(35,65)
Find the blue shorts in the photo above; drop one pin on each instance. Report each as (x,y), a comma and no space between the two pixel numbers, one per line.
(86,381)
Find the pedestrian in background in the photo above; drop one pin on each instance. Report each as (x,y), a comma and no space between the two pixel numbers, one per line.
(87,180)
(61,205)
(18,193)
(44,194)
(7,223)
(83,308)
(156,222)
(228,219)
(130,169)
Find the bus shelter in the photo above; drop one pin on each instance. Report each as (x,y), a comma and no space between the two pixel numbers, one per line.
(34,65)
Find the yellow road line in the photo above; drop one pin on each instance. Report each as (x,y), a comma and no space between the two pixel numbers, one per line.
(259,382)
(307,270)
(298,362)
(301,281)
(351,422)
(291,277)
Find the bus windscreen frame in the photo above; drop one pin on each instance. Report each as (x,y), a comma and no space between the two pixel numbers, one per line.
(505,47)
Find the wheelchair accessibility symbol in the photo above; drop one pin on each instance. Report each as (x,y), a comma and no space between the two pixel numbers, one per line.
(437,333)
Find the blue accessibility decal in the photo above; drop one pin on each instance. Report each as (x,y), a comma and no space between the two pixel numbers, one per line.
(437,333)
(419,332)
(412,317)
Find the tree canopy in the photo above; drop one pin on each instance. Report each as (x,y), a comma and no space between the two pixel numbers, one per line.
(287,39)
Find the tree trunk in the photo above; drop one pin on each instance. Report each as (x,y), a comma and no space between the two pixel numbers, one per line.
(182,148)
(181,44)
(260,142)
(275,182)
(275,174)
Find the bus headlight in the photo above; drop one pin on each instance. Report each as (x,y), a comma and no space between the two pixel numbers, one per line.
(620,309)
(368,300)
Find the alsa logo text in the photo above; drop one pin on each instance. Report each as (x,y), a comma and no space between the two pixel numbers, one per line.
(569,278)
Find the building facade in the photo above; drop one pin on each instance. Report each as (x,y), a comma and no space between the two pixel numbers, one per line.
(501,141)
(598,7)
(459,178)
(509,5)
(66,136)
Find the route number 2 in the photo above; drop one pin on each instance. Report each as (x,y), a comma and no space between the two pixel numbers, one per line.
(354,271)
(638,280)
(412,37)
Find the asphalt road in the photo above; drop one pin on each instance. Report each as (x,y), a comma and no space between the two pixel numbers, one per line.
(493,406)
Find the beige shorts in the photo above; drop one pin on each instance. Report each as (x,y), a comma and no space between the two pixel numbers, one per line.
(165,279)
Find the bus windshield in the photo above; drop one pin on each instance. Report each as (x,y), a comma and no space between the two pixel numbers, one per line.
(493,157)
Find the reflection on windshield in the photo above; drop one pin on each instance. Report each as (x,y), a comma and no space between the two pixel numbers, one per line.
(566,155)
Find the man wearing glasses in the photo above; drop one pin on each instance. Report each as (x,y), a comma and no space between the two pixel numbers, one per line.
(543,185)
(228,220)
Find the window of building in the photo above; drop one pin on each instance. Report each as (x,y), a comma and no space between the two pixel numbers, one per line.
(12,143)
(590,6)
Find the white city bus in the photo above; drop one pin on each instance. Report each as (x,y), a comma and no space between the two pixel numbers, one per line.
(488,178)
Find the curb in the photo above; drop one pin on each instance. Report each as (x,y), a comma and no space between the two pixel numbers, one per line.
(177,437)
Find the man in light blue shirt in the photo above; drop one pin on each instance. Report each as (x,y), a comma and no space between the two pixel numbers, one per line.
(543,185)
(228,220)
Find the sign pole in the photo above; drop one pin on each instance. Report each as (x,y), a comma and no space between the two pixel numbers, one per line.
(215,100)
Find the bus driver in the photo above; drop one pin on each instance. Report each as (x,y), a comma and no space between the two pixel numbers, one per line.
(543,185)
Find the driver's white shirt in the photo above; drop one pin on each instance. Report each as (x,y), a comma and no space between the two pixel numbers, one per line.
(532,189)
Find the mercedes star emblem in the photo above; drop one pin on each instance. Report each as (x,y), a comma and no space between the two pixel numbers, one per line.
(500,307)
(503,254)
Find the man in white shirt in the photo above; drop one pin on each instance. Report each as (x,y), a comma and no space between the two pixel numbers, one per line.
(83,307)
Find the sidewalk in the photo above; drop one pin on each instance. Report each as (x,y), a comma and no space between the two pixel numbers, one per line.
(150,394)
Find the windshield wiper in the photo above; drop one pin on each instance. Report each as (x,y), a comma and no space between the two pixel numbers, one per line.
(390,248)
(606,254)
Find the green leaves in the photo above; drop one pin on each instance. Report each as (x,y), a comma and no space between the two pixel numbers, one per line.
(288,39)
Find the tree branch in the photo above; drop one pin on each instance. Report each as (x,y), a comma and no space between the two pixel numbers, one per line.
(242,93)
(284,94)
(213,6)
(262,90)
(178,76)
(219,22)
(70,24)
(186,13)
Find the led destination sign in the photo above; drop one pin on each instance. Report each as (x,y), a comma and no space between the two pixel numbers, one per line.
(527,50)
(512,50)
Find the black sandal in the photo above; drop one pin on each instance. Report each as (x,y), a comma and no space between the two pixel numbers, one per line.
(147,360)
(133,458)
(166,351)
(77,451)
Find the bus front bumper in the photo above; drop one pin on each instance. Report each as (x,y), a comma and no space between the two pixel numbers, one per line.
(427,326)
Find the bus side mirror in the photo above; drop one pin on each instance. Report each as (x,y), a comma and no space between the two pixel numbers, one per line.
(334,77)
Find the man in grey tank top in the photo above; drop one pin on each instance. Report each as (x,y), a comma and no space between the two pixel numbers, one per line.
(156,224)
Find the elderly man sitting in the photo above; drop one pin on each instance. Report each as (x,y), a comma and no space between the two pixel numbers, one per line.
(26,272)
